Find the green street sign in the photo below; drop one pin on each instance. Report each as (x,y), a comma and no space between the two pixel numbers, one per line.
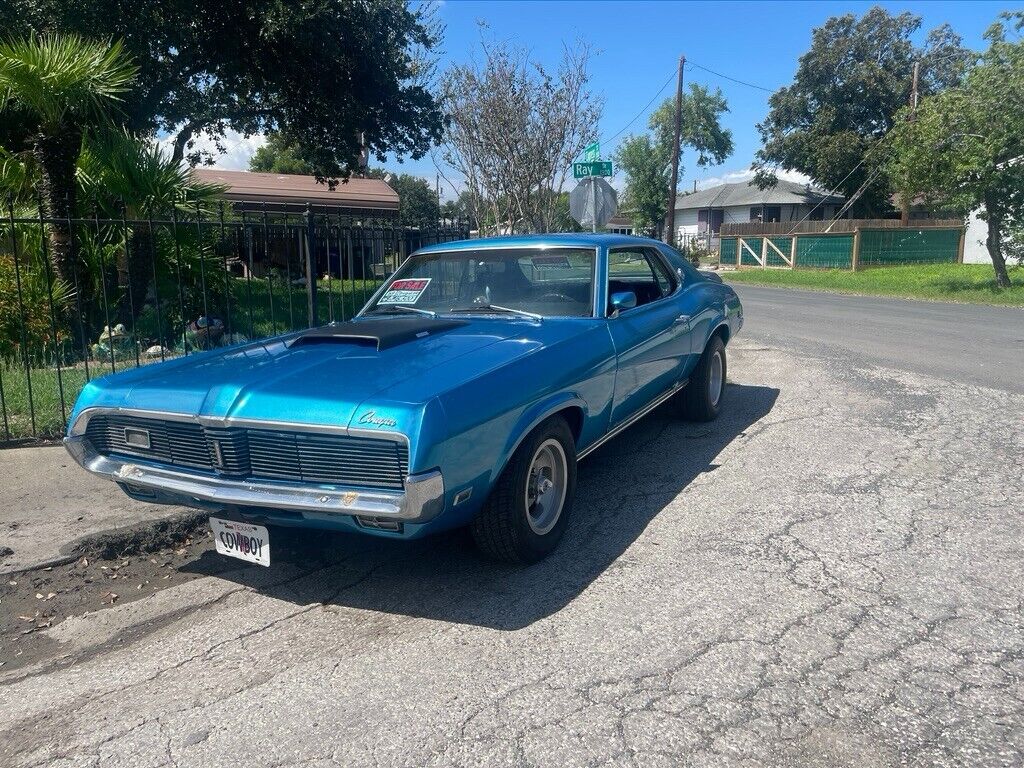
(592,153)
(598,168)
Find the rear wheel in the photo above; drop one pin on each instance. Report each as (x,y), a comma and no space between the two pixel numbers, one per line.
(526,514)
(701,400)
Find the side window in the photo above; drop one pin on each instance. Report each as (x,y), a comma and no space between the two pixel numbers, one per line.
(641,271)
(666,280)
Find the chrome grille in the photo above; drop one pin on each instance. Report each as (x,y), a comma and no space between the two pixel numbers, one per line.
(229,450)
(314,458)
(258,454)
(181,443)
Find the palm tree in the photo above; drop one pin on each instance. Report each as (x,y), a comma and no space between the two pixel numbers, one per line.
(63,86)
(133,179)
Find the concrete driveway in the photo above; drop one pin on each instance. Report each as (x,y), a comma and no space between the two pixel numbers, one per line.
(832,574)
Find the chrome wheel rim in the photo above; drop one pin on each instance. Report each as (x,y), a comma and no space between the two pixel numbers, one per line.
(715,378)
(545,486)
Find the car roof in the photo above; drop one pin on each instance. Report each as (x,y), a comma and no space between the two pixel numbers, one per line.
(555,240)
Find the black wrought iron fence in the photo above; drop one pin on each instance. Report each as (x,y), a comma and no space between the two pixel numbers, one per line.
(82,297)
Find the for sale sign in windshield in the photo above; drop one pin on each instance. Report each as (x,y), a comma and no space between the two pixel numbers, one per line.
(405,291)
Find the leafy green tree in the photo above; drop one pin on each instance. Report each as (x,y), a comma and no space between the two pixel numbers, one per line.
(964,147)
(279,156)
(28,292)
(18,176)
(133,178)
(562,221)
(648,177)
(60,87)
(845,96)
(646,158)
(330,75)
(460,209)
(417,205)
(417,200)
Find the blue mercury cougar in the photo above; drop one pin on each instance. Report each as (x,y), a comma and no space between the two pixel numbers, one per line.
(463,393)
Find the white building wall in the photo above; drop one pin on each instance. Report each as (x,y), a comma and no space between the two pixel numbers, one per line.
(975,251)
(686,220)
(736,214)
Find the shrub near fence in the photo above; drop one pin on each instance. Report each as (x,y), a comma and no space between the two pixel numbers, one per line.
(173,284)
(850,247)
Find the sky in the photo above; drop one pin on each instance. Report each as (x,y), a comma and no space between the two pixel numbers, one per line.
(636,51)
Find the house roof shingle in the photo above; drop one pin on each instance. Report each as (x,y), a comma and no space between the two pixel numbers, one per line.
(277,188)
(747,193)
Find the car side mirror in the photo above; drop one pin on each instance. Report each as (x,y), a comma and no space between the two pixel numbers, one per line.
(621,301)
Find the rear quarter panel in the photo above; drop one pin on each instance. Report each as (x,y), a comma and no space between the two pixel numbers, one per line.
(710,305)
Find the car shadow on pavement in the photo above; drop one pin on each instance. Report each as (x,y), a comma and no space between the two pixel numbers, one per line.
(621,488)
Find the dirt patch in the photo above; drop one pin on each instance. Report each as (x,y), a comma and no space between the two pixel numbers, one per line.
(111,569)
(143,539)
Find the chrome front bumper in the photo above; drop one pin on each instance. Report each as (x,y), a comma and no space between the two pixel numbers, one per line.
(422,499)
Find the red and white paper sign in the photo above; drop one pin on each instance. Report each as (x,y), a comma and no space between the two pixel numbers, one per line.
(405,291)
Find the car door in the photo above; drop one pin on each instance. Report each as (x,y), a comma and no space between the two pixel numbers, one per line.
(652,340)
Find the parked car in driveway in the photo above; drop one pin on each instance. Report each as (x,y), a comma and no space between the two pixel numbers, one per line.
(463,393)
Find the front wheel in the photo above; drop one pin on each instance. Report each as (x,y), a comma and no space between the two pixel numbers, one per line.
(701,400)
(526,514)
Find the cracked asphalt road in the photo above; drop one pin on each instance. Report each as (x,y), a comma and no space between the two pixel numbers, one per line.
(832,574)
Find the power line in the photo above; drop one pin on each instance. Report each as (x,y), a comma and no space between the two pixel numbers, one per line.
(727,77)
(664,85)
(642,111)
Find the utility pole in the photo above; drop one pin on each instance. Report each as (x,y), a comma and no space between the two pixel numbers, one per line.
(904,202)
(670,236)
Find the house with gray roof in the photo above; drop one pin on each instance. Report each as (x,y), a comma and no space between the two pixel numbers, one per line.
(702,213)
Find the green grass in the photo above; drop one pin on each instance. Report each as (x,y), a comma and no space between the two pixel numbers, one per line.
(45,418)
(49,422)
(970,283)
(335,300)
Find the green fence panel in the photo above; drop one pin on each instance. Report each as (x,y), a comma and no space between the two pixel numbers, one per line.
(824,251)
(754,244)
(784,244)
(727,250)
(888,247)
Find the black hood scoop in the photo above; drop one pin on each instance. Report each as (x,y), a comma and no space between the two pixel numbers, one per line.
(381,334)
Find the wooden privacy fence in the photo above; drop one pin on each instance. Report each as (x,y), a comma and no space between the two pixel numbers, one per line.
(850,244)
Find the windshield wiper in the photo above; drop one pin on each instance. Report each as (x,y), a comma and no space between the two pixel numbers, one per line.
(498,308)
(400,308)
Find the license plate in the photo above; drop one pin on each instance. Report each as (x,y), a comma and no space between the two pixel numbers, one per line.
(242,540)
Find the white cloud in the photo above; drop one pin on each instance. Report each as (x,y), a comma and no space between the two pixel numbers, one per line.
(239,149)
(746,174)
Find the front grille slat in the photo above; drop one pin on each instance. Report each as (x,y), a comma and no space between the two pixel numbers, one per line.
(258,454)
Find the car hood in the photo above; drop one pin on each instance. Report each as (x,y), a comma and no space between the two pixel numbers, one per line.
(322,381)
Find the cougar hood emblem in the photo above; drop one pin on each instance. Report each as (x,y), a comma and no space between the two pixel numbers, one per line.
(378,421)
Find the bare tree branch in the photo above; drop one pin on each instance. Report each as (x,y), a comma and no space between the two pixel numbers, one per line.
(514,130)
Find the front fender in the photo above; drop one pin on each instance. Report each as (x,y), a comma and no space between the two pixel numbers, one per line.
(532,417)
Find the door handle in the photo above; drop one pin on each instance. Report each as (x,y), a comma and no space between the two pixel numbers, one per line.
(682,320)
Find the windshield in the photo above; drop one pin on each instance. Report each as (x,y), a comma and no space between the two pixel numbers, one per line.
(548,282)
